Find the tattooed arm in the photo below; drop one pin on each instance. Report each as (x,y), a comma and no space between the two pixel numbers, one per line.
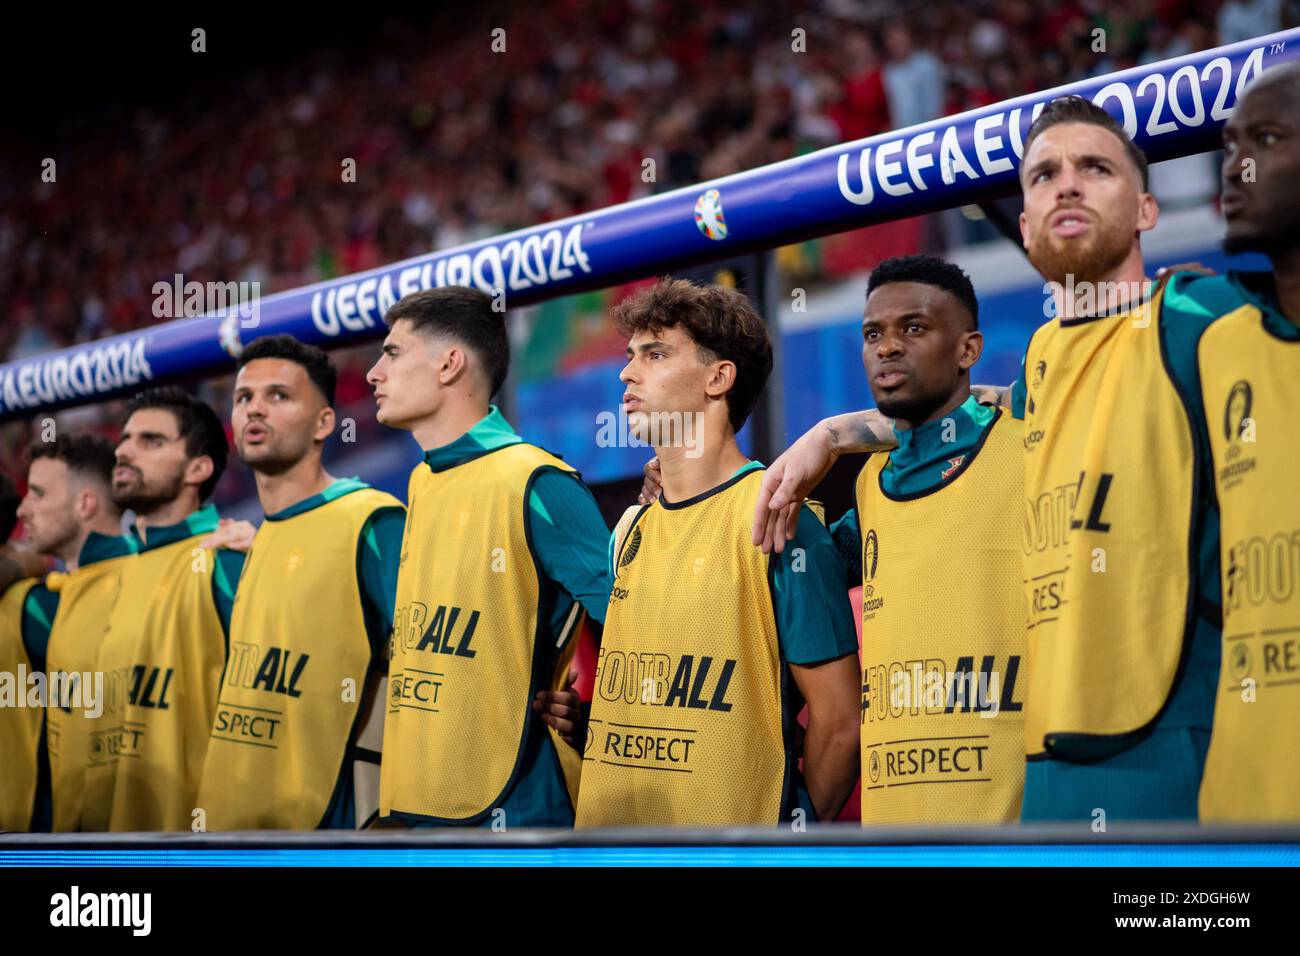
(793,476)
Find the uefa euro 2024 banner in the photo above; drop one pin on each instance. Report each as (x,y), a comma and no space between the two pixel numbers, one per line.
(1172,108)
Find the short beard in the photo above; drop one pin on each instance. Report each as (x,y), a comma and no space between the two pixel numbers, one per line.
(58,547)
(1091,263)
(913,411)
(145,500)
(273,464)
(1261,242)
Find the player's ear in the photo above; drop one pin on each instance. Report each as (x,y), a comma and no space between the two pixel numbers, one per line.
(1148,212)
(199,470)
(721,379)
(1024,230)
(972,347)
(452,364)
(325,422)
(85,504)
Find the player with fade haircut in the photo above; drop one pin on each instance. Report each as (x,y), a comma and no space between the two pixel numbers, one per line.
(711,647)
(69,514)
(1122,588)
(1250,380)
(164,644)
(503,549)
(935,540)
(299,720)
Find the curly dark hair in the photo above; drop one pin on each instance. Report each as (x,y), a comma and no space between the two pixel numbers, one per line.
(720,320)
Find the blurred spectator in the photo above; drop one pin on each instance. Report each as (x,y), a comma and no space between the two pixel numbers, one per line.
(1242,19)
(913,79)
(241,179)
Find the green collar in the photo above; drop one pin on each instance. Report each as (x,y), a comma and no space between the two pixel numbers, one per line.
(922,440)
(488,434)
(1259,289)
(748,466)
(203,521)
(101,547)
(928,454)
(337,489)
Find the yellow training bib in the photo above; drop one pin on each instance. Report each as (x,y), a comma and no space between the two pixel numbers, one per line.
(20,723)
(1250,380)
(1109,481)
(686,715)
(944,670)
(299,656)
(161,655)
(465,656)
(86,599)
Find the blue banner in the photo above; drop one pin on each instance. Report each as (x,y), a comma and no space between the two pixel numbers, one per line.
(1172,108)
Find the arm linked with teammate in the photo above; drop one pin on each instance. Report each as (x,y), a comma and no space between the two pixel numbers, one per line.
(573,547)
(791,478)
(797,471)
(831,756)
(820,643)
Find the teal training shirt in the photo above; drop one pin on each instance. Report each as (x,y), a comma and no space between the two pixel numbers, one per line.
(570,540)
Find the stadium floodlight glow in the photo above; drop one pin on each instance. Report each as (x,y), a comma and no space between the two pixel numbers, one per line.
(1171,108)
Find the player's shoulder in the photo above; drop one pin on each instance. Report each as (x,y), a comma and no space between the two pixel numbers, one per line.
(1194,298)
(522,461)
(355,497)
(542,460)
(1005,424)
(373,499)
(624,525)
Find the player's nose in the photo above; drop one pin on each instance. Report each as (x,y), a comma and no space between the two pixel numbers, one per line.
(1067,184)
(889,346)
(1234,163)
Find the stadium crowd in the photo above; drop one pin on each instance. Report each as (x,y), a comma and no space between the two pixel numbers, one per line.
(452,143)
